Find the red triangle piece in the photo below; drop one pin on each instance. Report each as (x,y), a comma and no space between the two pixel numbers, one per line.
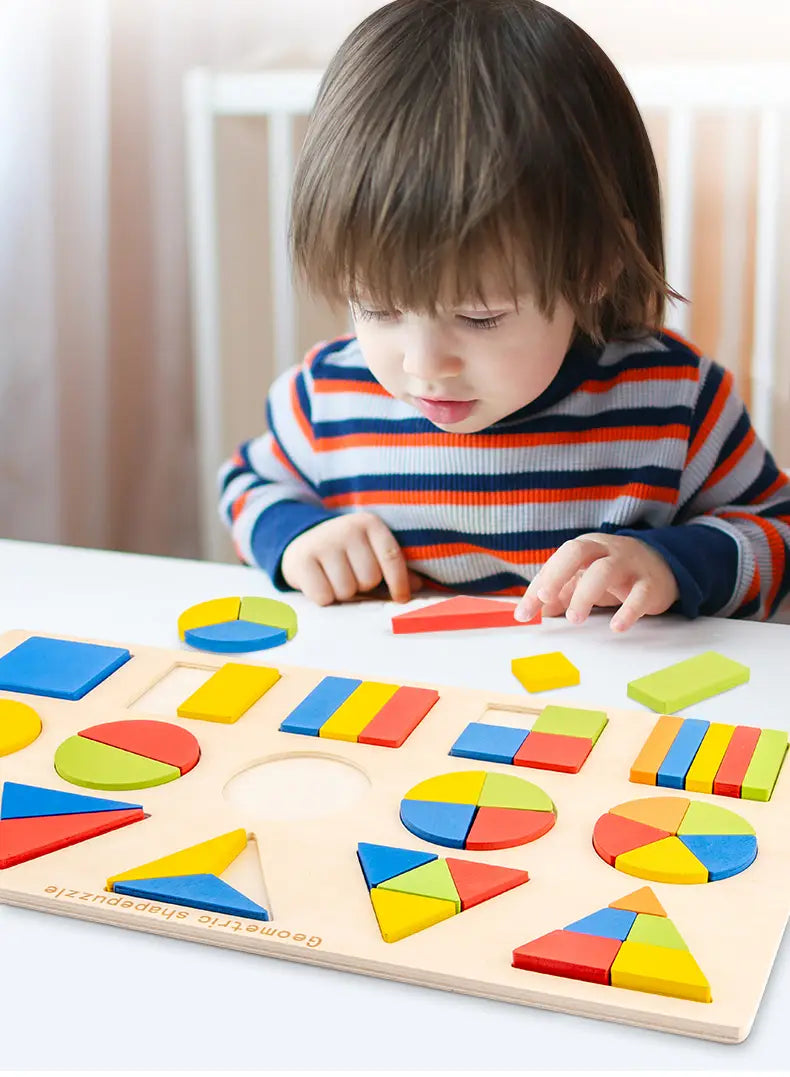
(614,834)
(479,882)
(499,828)
(26,839)
(460,612)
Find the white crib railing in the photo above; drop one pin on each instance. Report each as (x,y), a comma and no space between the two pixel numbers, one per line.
(739,93)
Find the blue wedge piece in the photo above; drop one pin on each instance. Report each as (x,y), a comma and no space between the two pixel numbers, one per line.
(722,854)
(32,801)
(382,862)
(207,892)
(235,637)
(606,924)
(436,821)
(672,772)
(319,706)
(60,668)
(493,743)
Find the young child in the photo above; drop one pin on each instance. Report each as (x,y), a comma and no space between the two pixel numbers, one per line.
(476,182)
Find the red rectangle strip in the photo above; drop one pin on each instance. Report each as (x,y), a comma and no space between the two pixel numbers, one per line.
(399,717)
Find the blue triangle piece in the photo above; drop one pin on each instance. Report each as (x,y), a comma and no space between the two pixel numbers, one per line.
(437,821)
(606,924)
(207,892)
(231,637)
(31,802)
(722,854)
(382,862)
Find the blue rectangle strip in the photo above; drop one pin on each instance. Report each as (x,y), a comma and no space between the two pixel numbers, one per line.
(319,705)
(672,772)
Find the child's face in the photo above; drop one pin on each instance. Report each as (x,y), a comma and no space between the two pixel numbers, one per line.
(468,366)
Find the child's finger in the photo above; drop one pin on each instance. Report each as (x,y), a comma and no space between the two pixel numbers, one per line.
(314,584)
(634,607)
(390,557)
(594,583)
(364,564)
(338,571)
(563,565)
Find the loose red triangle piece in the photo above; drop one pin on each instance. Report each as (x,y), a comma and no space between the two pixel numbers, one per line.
(460,612)
(26,839)
(479,882)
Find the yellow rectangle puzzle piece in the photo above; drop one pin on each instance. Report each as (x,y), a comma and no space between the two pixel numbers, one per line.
(359,709)
(229,693)
(707,761)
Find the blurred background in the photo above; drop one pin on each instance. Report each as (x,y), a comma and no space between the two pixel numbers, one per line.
(141,254)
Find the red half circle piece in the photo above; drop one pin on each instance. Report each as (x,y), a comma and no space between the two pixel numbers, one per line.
(500,828)
(162,741)
(614,834)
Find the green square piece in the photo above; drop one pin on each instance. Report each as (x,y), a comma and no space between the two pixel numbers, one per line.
(571,721)
(690,681)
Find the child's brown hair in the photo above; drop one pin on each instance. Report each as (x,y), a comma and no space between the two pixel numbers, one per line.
(449,135)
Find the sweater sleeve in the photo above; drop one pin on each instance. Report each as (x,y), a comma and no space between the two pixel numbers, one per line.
(729,547)
(268,490)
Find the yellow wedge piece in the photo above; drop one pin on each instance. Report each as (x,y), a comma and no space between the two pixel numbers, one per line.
(660,970)
(359,710)
(400,915)
(214,612)
(664,861)
(229,693)
(208,858)
(463,787)
(707,761)
(19,726)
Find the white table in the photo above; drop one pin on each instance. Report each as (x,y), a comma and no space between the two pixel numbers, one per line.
(75,995)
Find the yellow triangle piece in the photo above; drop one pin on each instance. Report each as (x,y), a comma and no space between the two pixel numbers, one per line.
(660,970)
(214,612)
(400,915)
(208,858)
(643,900)
(664,861)
(462,787)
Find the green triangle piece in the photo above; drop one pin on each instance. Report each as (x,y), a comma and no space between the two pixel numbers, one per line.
(703,818)
(268,611)
(508,791)
(432,880)
(656,931)
(94,765)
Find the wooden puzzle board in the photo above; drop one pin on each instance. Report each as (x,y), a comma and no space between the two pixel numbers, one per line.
(321,911)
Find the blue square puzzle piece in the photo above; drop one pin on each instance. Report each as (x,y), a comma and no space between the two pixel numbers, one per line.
(60,668)
(494,743)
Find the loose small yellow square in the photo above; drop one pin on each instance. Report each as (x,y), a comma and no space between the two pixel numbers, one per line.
(540,672)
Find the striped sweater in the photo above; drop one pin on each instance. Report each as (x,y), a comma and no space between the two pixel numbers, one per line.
(645,438)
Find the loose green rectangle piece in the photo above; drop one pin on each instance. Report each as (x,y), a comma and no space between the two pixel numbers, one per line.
(571,721)
(766,762)
(688,682)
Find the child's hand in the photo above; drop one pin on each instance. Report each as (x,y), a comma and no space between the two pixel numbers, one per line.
(338,559)
(601,570)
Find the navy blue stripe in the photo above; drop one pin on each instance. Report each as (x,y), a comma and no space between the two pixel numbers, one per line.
(497,581)
(667,478)
(734,439)
(705,399)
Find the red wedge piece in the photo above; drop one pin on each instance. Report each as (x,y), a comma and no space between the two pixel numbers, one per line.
(499,828)
(479,882)
(614,834)
(26,839)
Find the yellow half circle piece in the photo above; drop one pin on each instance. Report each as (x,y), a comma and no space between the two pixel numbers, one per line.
(19,726)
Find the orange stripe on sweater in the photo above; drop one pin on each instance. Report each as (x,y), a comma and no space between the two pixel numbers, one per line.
(491,441)
(280,455)
(726,466)
(776,548)
(461,549)
(682,340)
(349,385)
(658,373)
(712,416)
(484,499)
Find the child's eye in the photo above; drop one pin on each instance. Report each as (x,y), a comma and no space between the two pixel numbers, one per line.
(366,315)
(482,323)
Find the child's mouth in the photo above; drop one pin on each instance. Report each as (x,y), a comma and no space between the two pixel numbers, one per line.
(445,412)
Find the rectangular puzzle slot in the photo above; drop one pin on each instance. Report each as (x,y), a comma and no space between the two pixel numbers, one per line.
(166,694)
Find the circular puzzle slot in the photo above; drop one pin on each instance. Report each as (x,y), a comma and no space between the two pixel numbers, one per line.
(296,787)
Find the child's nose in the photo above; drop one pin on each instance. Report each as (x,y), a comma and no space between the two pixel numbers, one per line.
(429,360)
